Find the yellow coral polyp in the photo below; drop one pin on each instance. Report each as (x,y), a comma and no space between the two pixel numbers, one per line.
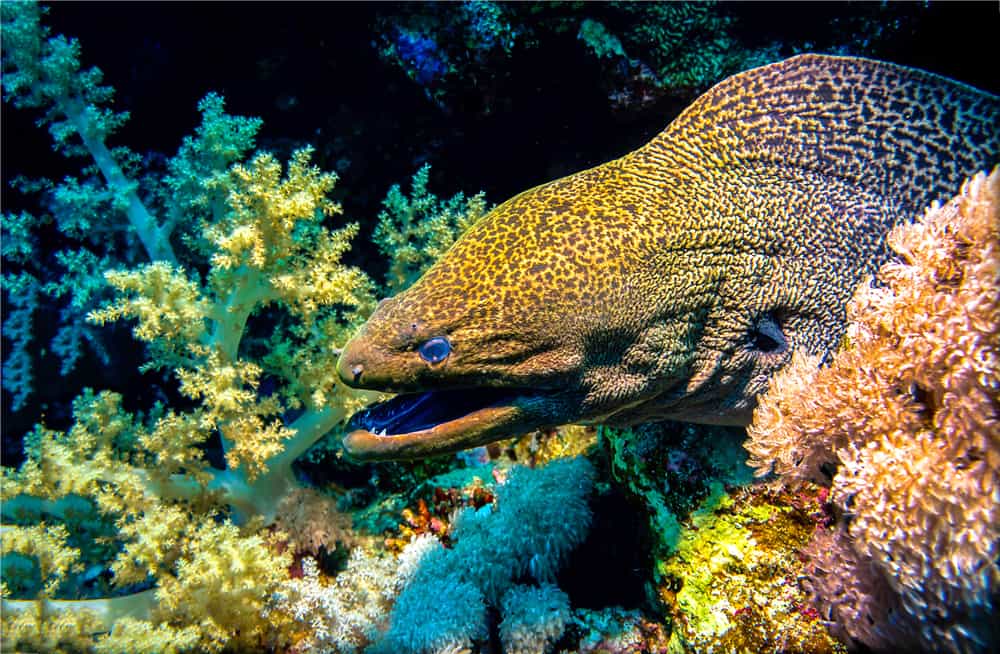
(164,302)
(152,541)
(46,545)
(245,238)
(36,627)
(266,209)
(253,443)
(229,395)
(224,581)
(83,461)
(173,444)
(225,388)
(322,280)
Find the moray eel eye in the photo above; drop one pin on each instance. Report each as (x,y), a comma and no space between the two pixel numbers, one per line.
(435,350)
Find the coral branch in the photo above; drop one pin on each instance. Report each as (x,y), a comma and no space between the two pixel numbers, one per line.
(100,614)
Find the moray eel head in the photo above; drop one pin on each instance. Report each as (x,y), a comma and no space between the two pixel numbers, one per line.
(471,347)
(570,303)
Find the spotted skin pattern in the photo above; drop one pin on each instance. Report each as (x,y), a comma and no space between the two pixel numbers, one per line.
(632,291)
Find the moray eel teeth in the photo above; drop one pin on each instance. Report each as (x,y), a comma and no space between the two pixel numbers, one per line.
(412,425)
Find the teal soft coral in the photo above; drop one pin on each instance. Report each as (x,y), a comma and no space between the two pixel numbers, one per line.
(541,515)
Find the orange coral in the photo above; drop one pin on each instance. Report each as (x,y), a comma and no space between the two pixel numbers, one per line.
(436,519)
(313,522)
(909,413)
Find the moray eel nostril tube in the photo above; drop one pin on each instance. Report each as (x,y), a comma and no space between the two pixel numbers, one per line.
(672,282)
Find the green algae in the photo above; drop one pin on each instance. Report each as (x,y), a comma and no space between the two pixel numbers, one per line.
(734,577)
(715,544)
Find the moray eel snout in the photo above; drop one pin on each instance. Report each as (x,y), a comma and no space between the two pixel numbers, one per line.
(673,282)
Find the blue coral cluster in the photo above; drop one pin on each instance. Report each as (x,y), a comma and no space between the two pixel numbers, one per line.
(421,56)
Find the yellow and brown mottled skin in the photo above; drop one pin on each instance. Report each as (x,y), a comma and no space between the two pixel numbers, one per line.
(638,290)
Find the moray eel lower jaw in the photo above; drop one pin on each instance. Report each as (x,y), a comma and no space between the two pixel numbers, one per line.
(416,425)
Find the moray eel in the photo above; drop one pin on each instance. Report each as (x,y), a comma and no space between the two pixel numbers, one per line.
(673,282)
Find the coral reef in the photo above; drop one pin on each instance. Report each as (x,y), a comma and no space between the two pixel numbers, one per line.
(906,419)
(347,614)
(534,617)
(669,469)
(853,594)
(731,585)
(617,631)
(646,51)
(724,552)
(449,494)
(658,47)
(313,523)
(43,72)
(540,516)
(207,508)
(676,48)
(537,447)
(437,50)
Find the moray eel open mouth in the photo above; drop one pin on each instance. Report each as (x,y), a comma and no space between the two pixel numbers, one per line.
(414,425)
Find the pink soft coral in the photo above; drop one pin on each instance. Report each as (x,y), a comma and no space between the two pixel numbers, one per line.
(908,413)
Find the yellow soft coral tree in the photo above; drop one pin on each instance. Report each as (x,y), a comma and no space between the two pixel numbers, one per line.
(908,416)
(119,534)
(269,249)
(191,553)
(414,231)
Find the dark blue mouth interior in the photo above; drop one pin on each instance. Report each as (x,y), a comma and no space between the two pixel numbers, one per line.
(412,412)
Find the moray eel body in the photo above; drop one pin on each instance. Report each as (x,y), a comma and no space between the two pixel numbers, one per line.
(672,282)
